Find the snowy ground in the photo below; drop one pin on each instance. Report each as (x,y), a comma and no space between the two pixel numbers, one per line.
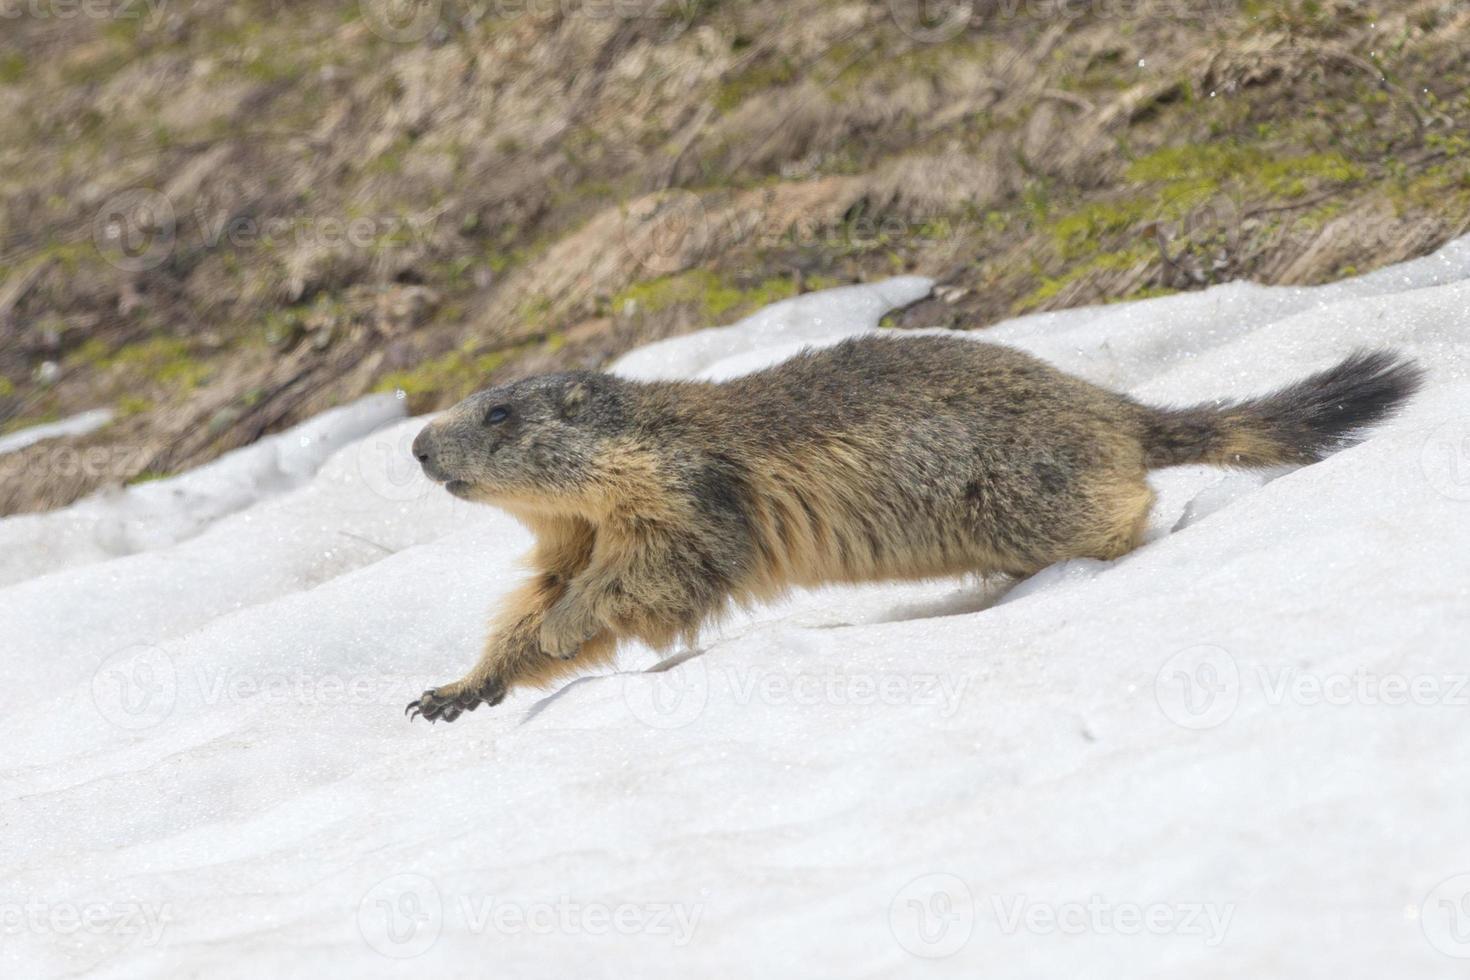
(1239,751)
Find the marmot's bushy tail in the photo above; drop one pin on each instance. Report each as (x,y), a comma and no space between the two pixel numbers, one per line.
(1301,423)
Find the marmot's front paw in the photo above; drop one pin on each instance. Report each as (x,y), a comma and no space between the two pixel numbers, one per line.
(450,701)
(563,632)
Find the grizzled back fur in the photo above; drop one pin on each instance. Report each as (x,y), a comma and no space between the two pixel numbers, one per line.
(656,505)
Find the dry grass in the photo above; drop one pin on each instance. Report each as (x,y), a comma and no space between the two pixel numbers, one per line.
(313,210)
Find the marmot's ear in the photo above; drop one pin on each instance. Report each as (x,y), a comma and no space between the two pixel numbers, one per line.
(574,399)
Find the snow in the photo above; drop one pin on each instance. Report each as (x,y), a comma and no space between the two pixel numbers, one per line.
(773,333)
(159,513)
(1237,751)
(77,425)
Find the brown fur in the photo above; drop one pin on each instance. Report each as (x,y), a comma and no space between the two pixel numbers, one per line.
(656,506)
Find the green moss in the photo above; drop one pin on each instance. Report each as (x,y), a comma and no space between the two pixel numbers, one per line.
(30,421)
(1106,262)
(164,361)
(1144,292)
(1079,233)
(129,405)
(148,476)
(1313,17)
(91,352)
(758,78)
(1295,176)
(722,300)
(7,387)
(1443,189)
(457,373)
(712,296)
(535,311)
(271,65)
(12,68)
(1450,144)
(1320,215)
(850,68)
(655,295)
(284,327)
(1036,199)
(1258,171)
(390,161)
(73,256)
(1178,180)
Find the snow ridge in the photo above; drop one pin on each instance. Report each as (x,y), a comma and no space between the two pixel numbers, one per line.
(1185,761)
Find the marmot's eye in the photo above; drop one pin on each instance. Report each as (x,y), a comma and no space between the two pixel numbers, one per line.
(497,414)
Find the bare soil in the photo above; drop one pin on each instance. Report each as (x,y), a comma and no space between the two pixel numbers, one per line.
(222,217)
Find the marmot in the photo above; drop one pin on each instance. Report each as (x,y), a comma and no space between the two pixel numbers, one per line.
(657,505)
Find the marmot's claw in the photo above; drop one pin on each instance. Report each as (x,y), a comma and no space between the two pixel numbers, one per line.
(434,706)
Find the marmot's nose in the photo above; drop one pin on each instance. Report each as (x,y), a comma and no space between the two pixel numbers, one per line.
(423,446)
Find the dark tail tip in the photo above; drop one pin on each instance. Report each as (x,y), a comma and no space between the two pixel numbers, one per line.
(1329,410)
(1301,423)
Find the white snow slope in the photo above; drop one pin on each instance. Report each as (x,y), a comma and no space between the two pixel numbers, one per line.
(1239,751)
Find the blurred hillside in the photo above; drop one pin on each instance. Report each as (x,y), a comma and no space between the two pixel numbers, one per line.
(217,218)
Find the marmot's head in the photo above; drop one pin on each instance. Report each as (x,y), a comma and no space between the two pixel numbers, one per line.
(534,441)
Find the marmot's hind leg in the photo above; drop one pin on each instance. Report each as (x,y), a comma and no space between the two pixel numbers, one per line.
(1118,525)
